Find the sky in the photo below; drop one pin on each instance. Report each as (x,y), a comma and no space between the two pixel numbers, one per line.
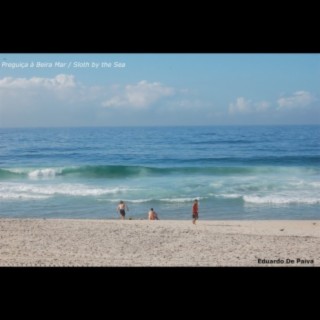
(59,90)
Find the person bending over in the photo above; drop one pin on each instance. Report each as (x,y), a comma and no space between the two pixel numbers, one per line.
(152,215)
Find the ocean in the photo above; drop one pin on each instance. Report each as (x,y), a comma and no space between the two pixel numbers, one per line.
(236,172)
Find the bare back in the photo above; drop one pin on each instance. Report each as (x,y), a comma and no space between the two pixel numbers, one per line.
(121,206)
(152,215)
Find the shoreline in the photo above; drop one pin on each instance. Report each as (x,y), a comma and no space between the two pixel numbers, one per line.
(102,242)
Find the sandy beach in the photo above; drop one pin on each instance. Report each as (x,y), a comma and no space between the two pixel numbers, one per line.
(66,242)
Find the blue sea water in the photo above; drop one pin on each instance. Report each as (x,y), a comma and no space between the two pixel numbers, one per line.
(253,172)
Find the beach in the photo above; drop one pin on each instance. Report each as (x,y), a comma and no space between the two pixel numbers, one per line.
(164,243)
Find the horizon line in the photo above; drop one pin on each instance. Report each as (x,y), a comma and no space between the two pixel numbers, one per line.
(161,126)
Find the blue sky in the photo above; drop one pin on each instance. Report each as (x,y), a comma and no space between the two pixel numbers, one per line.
(158,89)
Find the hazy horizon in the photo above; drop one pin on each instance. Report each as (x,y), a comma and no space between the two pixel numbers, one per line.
(161,126)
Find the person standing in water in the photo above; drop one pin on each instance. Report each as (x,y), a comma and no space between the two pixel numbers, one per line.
(195,211)
(122,207)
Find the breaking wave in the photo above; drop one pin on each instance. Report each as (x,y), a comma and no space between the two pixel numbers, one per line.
(110,171)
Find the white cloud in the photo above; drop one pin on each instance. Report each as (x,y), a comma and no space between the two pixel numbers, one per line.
(19,92)
(59,81)
(140,95)
(29,92)
(298,99)
(242,105)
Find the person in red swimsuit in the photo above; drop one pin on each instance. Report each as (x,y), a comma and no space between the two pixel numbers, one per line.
(195,211)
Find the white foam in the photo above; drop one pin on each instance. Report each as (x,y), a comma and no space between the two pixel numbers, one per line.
(181,199)
(81,190)
(21,196)
(139,200)
(315,184)
(17,170)
(298,183)
(44,173)
(279,200)
(305,184)
(230,196)
(16,191)
(126,200)
(215,184)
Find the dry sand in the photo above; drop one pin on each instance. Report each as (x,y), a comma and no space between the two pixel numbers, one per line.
(64,242)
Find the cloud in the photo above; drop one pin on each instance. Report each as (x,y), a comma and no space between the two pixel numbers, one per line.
(25,91)
(61,99)
(140,95)
(38,94)
(59,81)
(21,92)
(299,99)
(242,105)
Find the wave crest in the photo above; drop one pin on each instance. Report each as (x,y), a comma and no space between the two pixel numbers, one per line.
(112,171)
